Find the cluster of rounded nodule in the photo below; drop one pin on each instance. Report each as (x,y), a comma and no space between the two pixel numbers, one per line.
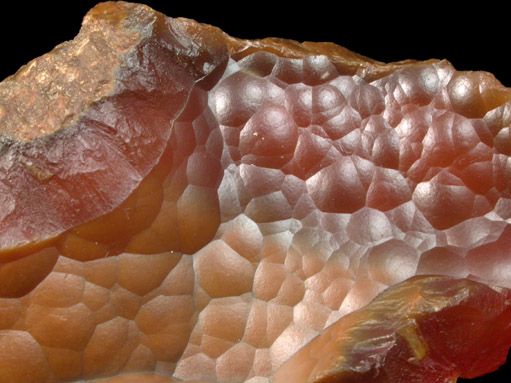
(289,195)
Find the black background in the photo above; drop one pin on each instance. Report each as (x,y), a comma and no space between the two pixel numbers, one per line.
(474,37)
(471,38)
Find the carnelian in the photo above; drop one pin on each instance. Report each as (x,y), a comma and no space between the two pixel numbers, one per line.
(180,205)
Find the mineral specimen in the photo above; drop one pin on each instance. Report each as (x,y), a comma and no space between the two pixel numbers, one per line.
(401,336)
(177,204)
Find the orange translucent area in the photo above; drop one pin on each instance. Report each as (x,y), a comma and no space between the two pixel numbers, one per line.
(402,336)
(227,202)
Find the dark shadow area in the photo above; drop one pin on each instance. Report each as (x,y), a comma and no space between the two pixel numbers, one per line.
(502,375)
(471,38)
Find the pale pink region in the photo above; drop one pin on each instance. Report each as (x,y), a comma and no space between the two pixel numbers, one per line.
(380,142)
(350,144)
(318,69)
(450,141)
(221,272)
(311,315)
(197,366)
(224,318)
(445,201)
(336,292)
(262,366)
(314,259)
(491,263)
(411,131)
(294,189)
(271,131)
(501,170)
(388,190)
(268,280)
(291,292)
(342,123)
(465,134)
(260,181)
(503,141)
(311,154)
(392,262)
(243,236)
(438,143)
(276,249)
(415,86)
(255,331)
(393,116)
(299,103)
(377,227)
(292,338)
(235,364)
(503,208)
(214,347)
(269,208)
(362,292)
(475,232)
(342,186)
(366,100)
(327,102)
(240,95)
(497,119)
(443,260)
(477,169)
(279,317)
(464,91)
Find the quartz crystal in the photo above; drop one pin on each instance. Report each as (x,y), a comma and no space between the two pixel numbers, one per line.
(180,205)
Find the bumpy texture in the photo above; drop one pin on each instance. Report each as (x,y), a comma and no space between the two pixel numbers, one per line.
(177,204)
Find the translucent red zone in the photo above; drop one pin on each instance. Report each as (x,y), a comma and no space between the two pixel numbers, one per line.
(209,231)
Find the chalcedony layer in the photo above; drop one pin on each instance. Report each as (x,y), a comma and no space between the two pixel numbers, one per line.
(188,206)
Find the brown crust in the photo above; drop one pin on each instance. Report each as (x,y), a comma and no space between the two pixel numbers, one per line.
(55,90)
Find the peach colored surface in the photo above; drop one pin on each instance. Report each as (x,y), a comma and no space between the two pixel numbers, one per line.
(202,207)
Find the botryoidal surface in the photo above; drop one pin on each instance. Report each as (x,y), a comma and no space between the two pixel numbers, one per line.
(177,204)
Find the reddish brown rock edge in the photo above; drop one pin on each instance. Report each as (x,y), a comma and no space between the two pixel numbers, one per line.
(165,159)
(400,336)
